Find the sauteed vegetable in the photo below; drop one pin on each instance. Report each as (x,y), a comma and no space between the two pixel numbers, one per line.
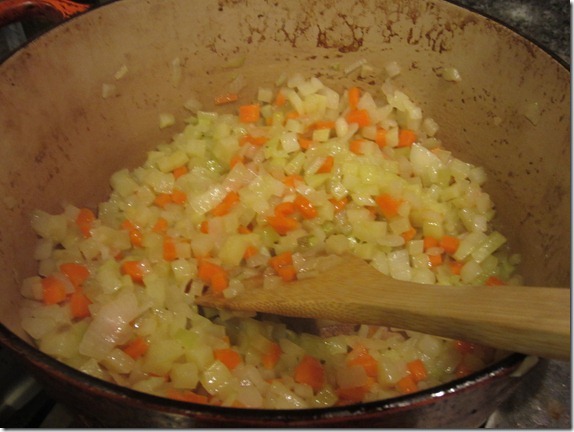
(301,175)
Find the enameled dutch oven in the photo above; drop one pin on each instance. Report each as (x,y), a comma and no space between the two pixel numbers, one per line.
(60,140)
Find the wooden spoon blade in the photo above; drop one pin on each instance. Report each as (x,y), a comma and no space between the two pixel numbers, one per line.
(530,320)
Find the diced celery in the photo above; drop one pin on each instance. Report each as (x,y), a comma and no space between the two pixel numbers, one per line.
(468,244)
(184,375)
(216,378)
(391,368)
(169,162)
(118,361)
(63,342)
(160,356)
(488,246)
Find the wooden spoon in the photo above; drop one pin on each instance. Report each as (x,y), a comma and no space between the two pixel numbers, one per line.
(529,320)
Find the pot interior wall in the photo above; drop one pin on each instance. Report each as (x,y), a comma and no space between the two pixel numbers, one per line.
(60,140)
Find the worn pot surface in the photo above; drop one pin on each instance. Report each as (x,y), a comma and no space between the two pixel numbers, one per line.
(60,140)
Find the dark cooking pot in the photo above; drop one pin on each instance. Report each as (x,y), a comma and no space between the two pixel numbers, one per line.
(60,140)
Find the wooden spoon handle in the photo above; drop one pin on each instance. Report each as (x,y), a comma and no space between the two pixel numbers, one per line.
(530,320)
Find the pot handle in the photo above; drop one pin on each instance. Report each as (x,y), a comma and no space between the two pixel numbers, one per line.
(52,10)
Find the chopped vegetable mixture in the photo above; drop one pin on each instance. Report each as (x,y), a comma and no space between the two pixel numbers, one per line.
(300,175)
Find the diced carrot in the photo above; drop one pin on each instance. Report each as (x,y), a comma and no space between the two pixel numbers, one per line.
(429,242)
(409,234)
(285,208)
(435,260)
(406,138)
(360,356)
(305,206)
(236,160)
(204,227)
(280,99)
(213,274)
(354,94)
(133,269)
(136,348)
(162,199)
(327,165)
(292,115)
(449,244)
(127,225)
(77,273)
(288,273)
(206,269)
(85,220)
(255,140)
(249,252)
(381,137)
(339,204)
(258,140)
(388,205)
(323,124)
(359,116)
(304,143)
(455,267)
(79,304)
(219,282)
(160,225)
(281,260)
(179,171)
(310,371)
(229,357)
(178,196)
(225,98)
(226,205)
(54,290)
(270,358)
(169,251)
(494,281)
(282,224)
(249,113)
(356,146)
(290,180)
(136,236)
(186,396)
(352,394)
(406,385)
(417,369)
(196,398)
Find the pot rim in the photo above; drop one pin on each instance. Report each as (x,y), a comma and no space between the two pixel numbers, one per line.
(34,357)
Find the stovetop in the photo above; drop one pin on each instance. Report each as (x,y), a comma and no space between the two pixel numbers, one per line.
(541,401)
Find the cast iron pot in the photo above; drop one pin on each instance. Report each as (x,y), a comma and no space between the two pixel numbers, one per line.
(60,140)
